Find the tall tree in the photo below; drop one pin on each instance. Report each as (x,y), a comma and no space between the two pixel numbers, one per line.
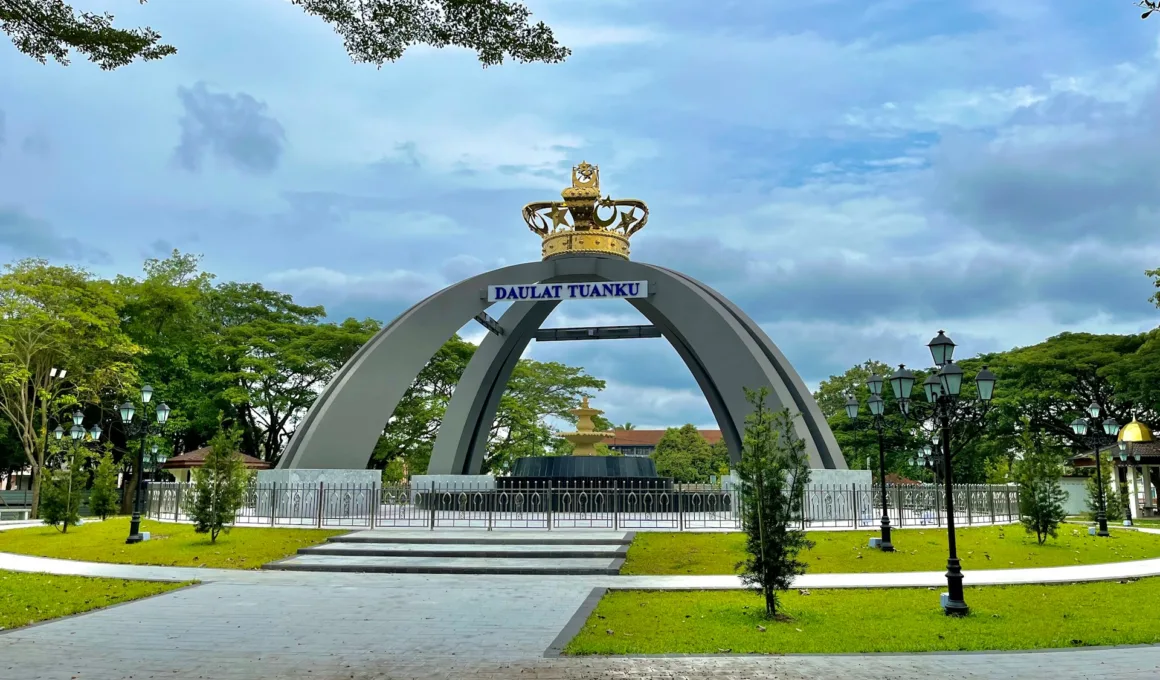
(1052,382)
(374,31)
(54,318)
(12,458)
(274,357)
(1135,377)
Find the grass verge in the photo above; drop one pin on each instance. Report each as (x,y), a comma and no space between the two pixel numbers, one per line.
(170,545)
(28,598)
(871,620)
(1004,547)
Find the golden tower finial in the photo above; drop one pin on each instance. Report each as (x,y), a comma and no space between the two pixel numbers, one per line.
(574,225)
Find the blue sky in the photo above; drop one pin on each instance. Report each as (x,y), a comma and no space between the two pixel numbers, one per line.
(855,175)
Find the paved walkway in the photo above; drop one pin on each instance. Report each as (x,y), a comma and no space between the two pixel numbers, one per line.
(267,624)
(425,627)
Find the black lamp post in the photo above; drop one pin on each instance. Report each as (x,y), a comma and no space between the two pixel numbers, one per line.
(930,457)
(877,421)
(1094,438)
(141,429)
(944,406)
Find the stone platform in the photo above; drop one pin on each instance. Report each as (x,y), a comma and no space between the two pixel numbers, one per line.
(580,553)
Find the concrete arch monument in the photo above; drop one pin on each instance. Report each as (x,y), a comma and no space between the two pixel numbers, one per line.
(585,257)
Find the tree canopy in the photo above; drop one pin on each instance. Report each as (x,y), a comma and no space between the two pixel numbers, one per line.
(223,354)
(373,31)
(1041,389)
(685,455)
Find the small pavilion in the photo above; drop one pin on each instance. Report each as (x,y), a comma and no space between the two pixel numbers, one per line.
(182,466)
(1136,459)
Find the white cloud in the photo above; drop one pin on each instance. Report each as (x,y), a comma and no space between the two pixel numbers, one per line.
(391,285)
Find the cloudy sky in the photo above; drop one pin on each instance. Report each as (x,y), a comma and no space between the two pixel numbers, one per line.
(855,175)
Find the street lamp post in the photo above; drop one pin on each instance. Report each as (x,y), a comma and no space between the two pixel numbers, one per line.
(1094,438)
(944,406)
(141,429)
(877,421)
(75,433)
(931,458)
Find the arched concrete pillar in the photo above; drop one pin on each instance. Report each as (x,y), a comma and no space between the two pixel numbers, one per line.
(341,428)
(723,348)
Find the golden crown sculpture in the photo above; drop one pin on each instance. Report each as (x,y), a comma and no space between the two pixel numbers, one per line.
(575,223)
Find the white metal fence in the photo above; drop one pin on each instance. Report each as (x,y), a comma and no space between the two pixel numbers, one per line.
(547,506)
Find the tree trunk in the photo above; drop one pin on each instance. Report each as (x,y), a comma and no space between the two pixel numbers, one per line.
(130,492)
(34,511)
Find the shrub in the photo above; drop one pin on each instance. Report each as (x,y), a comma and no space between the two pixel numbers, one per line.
(774,471)
(219,486)
(1041,497)
(103,499)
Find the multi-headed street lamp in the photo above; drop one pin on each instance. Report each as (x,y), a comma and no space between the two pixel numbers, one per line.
(930,457)
(878,422)
(141,429)
(76,432)
(945,407)
(1094,438)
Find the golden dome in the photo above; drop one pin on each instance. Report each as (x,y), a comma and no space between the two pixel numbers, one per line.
(1135,431)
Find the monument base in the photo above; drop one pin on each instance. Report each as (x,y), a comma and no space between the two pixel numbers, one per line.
(605,471)
(297,476)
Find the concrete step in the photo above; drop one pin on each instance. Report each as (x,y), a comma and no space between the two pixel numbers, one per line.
(523,551)
(484,537)
(449,565)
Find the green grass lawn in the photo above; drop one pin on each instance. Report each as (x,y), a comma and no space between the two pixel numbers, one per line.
(1005,547)
(28,598)
(170,544)
(872,620)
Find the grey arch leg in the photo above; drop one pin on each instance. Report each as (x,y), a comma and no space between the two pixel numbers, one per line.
(461,442)
(803,400)
(464,426)
(342,426)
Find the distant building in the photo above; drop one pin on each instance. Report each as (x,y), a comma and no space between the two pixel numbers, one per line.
(181,466)
(644,442)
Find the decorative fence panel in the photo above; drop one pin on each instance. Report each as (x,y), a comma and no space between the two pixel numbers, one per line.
(545,506)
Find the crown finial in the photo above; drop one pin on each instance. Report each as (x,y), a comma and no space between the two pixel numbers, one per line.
(575,225)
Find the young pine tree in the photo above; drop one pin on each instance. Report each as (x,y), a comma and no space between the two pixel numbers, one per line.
(103,499)
(774,471)
(219,486)
(1041,497)
(1114,510)
(60,494)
